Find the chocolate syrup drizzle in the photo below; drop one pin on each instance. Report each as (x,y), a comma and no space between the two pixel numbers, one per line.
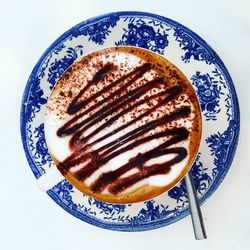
(117,107)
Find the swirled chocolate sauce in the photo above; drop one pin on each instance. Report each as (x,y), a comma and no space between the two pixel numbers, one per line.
(123,124)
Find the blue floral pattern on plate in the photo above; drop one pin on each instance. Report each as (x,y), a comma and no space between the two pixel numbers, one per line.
(208,92)
(211,81)
(146,35)
(193,50)
(97,32)
(58,66)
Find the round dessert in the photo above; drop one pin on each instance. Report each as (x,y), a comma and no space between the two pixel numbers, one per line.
(123,124)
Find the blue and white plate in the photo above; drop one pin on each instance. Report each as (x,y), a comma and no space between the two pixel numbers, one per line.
(198,62)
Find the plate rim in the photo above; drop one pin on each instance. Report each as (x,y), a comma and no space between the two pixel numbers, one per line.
(152,224)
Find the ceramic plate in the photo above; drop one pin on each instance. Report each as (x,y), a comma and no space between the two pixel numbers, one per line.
(198,62)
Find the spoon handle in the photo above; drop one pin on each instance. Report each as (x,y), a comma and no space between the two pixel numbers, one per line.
(197,220)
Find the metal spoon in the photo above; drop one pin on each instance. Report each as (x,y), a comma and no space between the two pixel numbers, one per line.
(197,220)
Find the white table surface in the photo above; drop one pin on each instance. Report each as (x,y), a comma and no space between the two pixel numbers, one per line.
(29,219)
